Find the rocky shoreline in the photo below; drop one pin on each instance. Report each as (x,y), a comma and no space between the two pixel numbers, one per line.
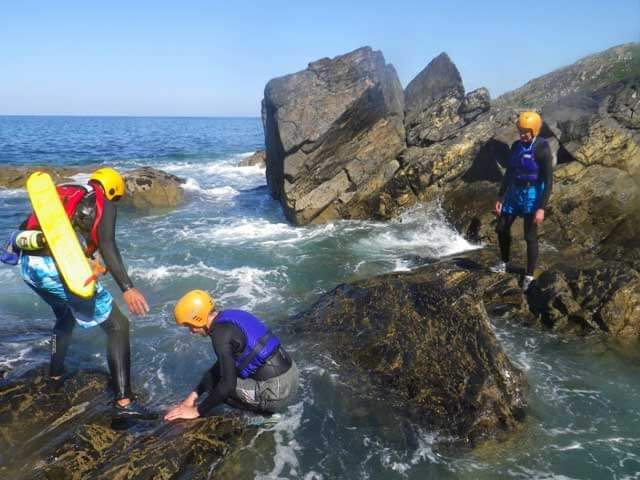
(345,141)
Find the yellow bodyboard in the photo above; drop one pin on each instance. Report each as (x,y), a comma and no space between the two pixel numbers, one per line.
(63,243)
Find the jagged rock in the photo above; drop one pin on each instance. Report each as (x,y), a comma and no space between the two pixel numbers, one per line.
(50,430)
(258,159)
(474,103)
(16,176)
(332,133)
(148,187)
(604,298)
(425,338)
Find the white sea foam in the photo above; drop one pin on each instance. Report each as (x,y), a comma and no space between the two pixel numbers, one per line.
(286,445)
(192,185)
(12,192)
(243,286)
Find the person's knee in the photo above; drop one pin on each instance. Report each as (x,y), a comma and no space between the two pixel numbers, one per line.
(117,321)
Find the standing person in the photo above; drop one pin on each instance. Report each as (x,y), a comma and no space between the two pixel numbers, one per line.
(524,192)
(92,212)
(253,371)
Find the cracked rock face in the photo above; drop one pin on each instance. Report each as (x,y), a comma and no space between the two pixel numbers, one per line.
(332,134)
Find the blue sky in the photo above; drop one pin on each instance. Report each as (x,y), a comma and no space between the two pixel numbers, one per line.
(214,57)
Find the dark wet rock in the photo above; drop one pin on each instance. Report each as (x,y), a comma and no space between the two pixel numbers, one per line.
(603,298)
(65,431)
(16,176)
(425,338)
(332,133)
(258,159)
(149,187)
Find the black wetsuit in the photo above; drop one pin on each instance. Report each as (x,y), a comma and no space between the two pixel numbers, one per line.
(220,380)
(543,157)
(117,325)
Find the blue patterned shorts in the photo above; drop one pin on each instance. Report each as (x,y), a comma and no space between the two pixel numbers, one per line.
(41,274)
(521,200)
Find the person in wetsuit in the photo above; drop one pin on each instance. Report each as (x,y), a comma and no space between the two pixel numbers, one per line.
(92,212)
(252,372)
(524,192)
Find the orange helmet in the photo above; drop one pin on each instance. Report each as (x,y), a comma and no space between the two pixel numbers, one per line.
(193,309)
(530,121)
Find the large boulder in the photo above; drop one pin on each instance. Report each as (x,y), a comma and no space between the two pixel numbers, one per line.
(424,338)
(148,187)
(332,134)
(64,430)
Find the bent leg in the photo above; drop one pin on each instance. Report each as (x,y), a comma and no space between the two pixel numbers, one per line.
(61,338)
(118,352)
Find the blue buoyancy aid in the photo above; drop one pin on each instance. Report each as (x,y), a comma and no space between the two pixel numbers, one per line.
(256,334)
(523,162)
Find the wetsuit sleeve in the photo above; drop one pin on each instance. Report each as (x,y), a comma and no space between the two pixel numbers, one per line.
(109,249)
(226,385)
(209,380)
(506,179)
(545,162)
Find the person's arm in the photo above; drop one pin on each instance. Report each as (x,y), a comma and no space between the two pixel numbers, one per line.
(209,380)
(226,384)
(109,249)
(113,260)
(545,161)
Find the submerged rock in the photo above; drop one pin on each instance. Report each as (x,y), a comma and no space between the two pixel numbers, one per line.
(332,133)
(426,339)
(50,430)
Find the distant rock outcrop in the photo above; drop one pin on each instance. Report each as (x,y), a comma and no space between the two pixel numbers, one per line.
(332,134)
(148,187)
(258,159)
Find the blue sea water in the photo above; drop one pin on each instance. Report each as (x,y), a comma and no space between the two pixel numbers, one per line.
(231,238)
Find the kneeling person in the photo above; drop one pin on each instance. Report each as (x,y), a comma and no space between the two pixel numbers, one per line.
(253,370)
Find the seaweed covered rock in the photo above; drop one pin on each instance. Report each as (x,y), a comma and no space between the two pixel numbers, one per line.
(582,300)
(426,338)
(50,430)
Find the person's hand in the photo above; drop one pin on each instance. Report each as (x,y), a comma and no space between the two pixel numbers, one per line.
(135,301)
(182,412)
(539,217)
(190,401)
(498,207)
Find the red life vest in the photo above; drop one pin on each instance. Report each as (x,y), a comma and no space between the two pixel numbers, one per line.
(71,195)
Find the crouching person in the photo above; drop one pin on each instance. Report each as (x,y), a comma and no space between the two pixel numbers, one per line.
(252,372)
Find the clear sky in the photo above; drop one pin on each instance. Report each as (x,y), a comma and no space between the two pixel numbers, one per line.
(214,57)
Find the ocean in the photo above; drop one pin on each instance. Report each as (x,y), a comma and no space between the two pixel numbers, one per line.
(232,239)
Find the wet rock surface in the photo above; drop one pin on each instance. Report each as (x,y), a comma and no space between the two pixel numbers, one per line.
(146,187)
(149,187)
(425,339)
(50,430)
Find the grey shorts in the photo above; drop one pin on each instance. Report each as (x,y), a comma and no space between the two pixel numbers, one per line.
(272,395)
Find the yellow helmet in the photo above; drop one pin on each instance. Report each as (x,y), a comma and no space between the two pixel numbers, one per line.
(193,309)
(530,121)
(111,181)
